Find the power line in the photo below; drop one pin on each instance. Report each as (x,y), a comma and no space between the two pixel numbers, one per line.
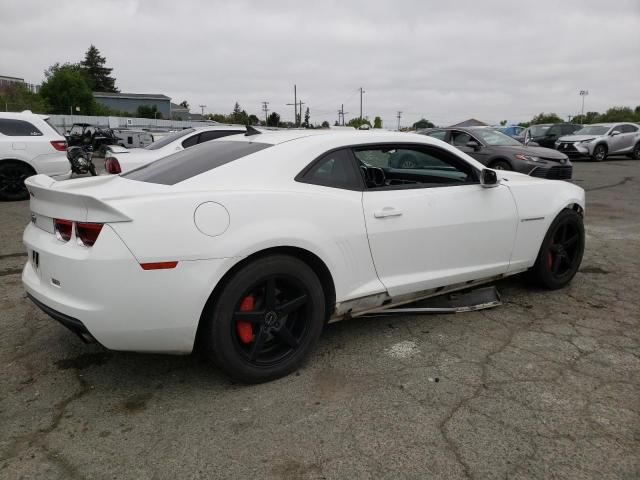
(341,113)
(202,109)
(398,116)
(265,109)
(295,105)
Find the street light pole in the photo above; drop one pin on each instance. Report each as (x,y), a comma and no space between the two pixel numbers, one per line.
(583,93)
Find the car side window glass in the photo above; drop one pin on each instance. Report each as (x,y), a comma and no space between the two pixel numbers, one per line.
(401,166)
(213,134)
(439,134)
(334,169)
(460,139)
(18,128)
(628,128)
(554,131)
(190,142)
(632,128)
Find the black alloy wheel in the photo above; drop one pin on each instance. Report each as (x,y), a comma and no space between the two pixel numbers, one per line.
(636,152)
(266,319)
(12,177)
(599,153)
(501,165)
(561,251)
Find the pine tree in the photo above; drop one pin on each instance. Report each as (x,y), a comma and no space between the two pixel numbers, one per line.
(307,116)
(98,76)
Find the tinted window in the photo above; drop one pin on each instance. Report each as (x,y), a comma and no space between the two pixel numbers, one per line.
(164,141)
(628,128)
(18,128)
(494,138)
(593,130)
(554,131)
(213,134)
(335,169)
(190,142)
(439,134)
(193,161)
(460,139)
(403,166)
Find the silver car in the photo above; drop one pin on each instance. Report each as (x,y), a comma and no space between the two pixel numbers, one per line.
(599,140)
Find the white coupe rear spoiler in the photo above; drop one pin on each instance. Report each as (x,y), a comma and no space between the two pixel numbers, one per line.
(117,149)
(52,199)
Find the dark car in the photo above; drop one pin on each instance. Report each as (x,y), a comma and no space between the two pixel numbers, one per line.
(501,152)
(546,134)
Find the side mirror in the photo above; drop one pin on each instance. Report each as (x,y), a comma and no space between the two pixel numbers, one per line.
(473,144)
(488,178)
(614,133)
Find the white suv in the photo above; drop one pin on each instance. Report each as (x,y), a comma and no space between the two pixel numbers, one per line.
(29,145)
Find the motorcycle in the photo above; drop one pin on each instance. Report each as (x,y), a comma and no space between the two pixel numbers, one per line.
(80,159)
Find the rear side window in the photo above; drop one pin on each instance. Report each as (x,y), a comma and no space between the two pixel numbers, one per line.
(193,161)
(190,142)
(213,134)
(334,169)
(169,138)
(18,128)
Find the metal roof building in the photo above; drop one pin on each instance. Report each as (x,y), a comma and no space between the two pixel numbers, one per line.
(129,102)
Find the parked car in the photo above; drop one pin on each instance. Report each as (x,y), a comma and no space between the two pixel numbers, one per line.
(501,152)
(599,140)
(249,245)
(133,138)
(120,159)
(29,145)
(546,134)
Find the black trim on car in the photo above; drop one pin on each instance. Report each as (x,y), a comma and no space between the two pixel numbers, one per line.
(302,176)
(73,324)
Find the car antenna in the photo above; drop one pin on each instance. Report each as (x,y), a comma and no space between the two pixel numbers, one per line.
(252,131)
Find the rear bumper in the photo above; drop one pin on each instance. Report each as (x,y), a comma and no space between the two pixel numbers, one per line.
(103,292)
(73,324)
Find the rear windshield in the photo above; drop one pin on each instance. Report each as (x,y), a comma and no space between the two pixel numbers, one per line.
(193,161)
(169,138)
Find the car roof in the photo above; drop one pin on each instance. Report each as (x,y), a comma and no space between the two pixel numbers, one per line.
(219,127)
(275,137)
(21,115)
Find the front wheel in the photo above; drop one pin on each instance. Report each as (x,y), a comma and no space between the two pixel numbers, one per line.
(266,319)
(561,252)
(501,165)
(599,153)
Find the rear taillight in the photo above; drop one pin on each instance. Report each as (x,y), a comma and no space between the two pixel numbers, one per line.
(62,229)
(87,233)
(112,165)
(59,145)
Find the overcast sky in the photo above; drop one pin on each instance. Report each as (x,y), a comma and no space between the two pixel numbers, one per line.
(445,61)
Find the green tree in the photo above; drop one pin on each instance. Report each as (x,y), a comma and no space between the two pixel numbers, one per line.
(423,123)
(307,116)
(357,123)
(546,118)
(17,97)
(66,90)
(618,114)
(325,124)
(503,122)
(184,104)
(273,120)
(377,122)
(587,118)
(145,111)
(254,120)
(98,76)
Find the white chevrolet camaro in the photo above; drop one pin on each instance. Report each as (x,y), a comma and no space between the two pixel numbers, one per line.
(248,245)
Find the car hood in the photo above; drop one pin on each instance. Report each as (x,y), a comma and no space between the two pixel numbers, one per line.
(530,150)
(577,138)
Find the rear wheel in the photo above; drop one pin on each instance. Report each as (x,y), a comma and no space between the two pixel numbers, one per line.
(501,165)
(635,154)
(266,319)
(12,177)
(599,153)
(561,251)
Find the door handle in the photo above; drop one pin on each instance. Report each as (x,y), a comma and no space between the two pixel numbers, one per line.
(387,212)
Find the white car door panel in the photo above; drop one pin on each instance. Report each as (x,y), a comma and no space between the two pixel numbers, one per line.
(425,238)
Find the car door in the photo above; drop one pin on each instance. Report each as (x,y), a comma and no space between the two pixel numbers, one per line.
(627,137)
(434,226)
(617,142)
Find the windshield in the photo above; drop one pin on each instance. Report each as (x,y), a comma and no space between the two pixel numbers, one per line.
(538,130)
(593,130)
(493,137)
(164,141)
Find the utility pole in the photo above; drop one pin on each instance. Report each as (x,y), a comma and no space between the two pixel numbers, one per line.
(202,109)
(295,106)
(398,116)
(361,92)
(265,109)
(341,113)
(300,102)
(583,93)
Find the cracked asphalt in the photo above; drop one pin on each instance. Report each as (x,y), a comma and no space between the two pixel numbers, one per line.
(545,386)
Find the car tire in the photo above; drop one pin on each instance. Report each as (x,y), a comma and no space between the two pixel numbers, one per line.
(253,332)
(501,165)
(561,251)
(12,177)
(635,154)
(599,153)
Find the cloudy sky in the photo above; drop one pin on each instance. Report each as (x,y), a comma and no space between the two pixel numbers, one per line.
(445,61)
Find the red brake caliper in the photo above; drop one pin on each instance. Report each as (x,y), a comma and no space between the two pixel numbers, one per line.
(245,329)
